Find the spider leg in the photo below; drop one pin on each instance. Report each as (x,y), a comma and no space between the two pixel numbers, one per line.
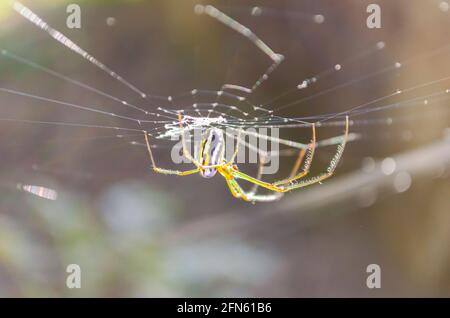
(282,141)
(260,152)
(232,189)
(285,188)
(264,197)
(262,161)
(330,170)
(307,165)
(270,186)
(186,152)
(298,163)
(233,158)
(265,154)
(287,152)
(252,197)
(236,190)
(294,172)
(166,171)
(269,197)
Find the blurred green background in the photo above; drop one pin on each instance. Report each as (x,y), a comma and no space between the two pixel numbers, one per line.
(135,233)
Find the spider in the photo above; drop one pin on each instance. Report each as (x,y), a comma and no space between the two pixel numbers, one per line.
(212,161)
(211,152)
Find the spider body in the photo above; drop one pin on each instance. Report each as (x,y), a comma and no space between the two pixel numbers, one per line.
(212,160)
(212,151)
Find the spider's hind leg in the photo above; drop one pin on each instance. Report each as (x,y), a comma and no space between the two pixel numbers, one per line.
(307,164)
(331,167)
(294,172)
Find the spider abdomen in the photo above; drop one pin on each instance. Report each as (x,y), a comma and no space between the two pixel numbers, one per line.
(212,151)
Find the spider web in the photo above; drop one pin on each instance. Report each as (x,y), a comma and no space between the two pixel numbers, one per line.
(232,106)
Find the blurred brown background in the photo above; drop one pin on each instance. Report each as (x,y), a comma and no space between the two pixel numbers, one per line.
(135,233)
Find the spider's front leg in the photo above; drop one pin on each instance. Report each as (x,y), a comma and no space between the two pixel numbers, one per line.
(186,152)
(165,171)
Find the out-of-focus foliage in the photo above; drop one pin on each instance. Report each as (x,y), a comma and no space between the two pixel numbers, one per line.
(120,245)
